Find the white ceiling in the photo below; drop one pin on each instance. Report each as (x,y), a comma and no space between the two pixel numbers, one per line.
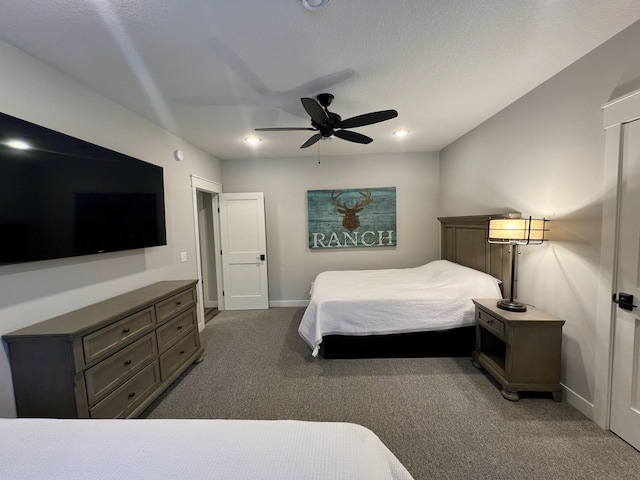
(211,71)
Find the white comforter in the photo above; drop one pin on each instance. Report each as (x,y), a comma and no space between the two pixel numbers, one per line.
(39,449)
(435,296)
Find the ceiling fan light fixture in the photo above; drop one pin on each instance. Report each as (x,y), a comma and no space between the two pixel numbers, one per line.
(314,4)
(401,133)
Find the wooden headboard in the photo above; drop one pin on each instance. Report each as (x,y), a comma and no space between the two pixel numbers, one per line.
(464,241)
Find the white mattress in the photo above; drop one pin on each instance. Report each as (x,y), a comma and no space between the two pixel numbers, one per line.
(49,449)
(435,296)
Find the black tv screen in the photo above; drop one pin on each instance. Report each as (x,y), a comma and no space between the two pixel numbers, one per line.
(64,197)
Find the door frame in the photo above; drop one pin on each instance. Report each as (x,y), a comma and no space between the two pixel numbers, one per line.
(214,188)
(615,114)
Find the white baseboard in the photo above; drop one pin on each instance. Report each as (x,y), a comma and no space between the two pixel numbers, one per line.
(211,304)
(288,303)
(583,406)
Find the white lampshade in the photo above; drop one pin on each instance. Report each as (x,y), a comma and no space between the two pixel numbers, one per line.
(516,230)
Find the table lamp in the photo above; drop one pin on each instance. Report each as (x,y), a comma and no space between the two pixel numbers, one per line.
(515,231)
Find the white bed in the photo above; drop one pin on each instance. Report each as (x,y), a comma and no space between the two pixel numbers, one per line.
(433,297)
(38,449)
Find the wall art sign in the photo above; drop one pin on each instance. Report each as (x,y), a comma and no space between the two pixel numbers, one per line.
(352,218)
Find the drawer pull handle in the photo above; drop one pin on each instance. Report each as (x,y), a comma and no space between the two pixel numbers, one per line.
(132,394)
(179,327)
(128,362)
(488,320)
(125,330)
(178,303)
(181,352)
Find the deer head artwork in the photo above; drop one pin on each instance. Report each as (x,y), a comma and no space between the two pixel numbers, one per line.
(350,219)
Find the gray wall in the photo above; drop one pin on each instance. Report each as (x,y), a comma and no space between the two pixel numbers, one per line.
(33,292)
(292,265)
(544,156)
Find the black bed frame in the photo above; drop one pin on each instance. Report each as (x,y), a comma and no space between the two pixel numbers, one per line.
(463,241)
(457,342)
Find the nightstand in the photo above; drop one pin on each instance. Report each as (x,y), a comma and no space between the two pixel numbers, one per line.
(521,350)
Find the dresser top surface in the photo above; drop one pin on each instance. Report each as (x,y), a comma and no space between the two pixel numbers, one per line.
(80,321)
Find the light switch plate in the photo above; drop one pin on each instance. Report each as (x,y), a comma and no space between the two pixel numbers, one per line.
(183,257)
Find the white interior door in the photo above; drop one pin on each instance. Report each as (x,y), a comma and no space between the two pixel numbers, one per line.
(244,248)
(625,382)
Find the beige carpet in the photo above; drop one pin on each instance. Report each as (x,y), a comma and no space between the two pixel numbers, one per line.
(441,417)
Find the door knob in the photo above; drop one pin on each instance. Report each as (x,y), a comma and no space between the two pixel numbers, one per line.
(624,301)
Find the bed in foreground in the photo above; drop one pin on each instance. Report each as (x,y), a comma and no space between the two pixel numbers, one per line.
(38,449)
(421,311)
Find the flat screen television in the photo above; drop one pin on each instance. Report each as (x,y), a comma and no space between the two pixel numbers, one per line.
(63,197)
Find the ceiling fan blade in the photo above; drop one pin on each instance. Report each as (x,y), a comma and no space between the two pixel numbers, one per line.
(283,129)
(311,141)
(315,111)
(368,119)
(352,136)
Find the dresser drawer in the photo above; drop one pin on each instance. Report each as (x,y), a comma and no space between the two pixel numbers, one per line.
(175,329)
(125,399)
(104,376)
(177,355)
(177,303)
(491,323)
(111,337)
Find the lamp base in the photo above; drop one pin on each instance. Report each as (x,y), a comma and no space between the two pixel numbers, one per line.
(512,306)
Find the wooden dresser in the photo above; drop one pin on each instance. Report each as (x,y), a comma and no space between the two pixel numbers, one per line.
(107,360)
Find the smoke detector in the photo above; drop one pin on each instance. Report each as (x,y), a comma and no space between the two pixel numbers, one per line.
(314,4)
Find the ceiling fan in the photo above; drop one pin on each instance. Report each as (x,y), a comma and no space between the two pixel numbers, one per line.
(328,124)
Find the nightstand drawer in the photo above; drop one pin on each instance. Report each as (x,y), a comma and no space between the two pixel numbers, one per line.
(491,323)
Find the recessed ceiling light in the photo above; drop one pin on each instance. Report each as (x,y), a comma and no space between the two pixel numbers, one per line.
(401,133)
(252,140)
(18,144)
